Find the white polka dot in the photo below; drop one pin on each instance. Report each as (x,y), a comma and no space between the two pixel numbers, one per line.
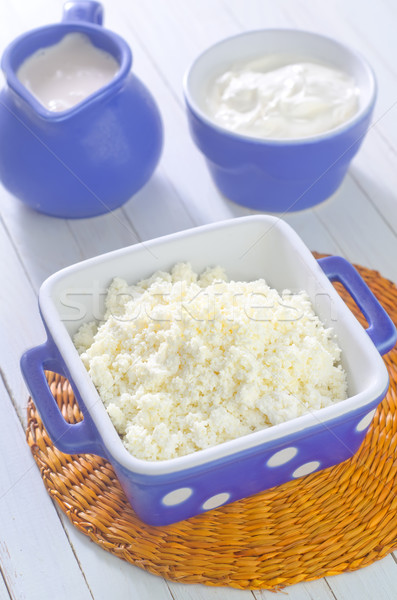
(177,496)
(363,424)
(216,501)
(282,457)
(306,469)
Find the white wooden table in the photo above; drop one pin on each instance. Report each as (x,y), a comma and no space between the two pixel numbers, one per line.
(41,555)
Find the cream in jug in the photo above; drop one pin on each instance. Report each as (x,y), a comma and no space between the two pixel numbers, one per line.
(62,75)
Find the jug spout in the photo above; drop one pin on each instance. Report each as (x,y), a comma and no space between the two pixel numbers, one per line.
(85,10)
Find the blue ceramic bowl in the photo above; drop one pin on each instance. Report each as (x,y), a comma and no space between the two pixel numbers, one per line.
(268,174)
(163,492)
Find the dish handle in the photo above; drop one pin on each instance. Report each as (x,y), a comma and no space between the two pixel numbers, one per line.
(381,329)
(78,438)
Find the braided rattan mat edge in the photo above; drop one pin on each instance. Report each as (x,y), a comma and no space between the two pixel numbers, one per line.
(337,520)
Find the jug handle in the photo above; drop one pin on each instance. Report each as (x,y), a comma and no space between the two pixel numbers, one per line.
(85,10)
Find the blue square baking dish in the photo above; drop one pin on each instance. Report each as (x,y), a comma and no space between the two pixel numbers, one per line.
(168,491)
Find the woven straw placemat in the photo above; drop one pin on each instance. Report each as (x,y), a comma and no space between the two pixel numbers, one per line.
(326,523)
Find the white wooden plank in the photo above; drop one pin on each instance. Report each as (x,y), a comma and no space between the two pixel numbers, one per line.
(18,16)
(178,34)
(314,590)
(305,223)
(256,14)
(111,577)
(182,591)
(374,30)
(158,209)
(357,227)
(102,234)
(4,595)
(89,555)
(44,244)
(154,211)
(181,162)
(18,297)
(312,231)
(21,324)
(35,556)
(378,581)
(375,173)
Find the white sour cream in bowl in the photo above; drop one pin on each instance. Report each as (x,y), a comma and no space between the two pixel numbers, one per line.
(292,101)
(63,75)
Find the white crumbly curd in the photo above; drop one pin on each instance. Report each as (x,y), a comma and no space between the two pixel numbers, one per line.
(62,75)
(185,361)
(292,101)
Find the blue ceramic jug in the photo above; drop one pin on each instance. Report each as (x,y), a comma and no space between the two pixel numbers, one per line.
(91,158)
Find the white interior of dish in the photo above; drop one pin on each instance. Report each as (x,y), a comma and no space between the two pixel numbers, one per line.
(289,46)
(248,248)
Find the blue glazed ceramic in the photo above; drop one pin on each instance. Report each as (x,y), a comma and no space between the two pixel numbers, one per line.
(164,492)
(87,160)
(277,175)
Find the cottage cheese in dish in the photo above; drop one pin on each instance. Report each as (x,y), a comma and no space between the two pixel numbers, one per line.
(185,361)
(291,101)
